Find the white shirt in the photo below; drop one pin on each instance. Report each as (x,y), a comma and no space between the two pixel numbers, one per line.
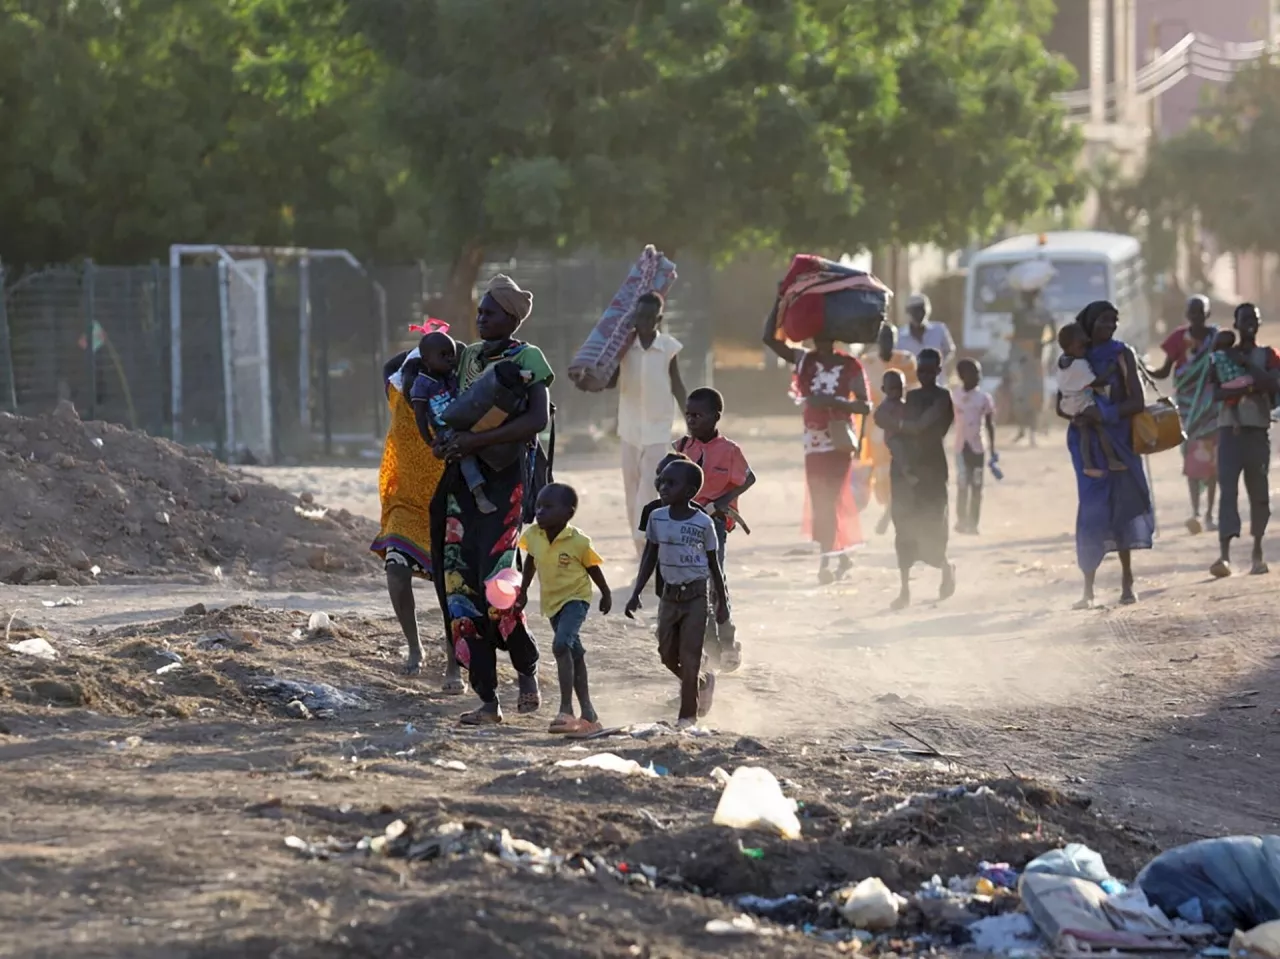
(646,407)
(972,409)
(1075,383)
(935,336)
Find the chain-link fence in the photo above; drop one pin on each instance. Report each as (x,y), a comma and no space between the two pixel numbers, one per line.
(104,338)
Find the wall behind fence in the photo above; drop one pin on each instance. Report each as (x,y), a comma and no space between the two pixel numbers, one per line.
(102,338)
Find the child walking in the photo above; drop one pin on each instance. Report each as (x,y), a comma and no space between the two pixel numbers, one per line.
(681,541)
(725,477)
(974,409)
(890,416)
(566,565)
(433,389)
(1078,385)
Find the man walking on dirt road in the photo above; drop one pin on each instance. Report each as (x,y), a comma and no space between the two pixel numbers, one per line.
(648,378)
(1244,440)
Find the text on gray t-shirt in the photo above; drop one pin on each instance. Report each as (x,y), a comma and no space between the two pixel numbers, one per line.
(682,544)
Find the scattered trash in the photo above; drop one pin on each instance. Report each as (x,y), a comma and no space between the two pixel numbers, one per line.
(737,926)
(1008,934)
(610,762)
(999,874)
(319,625)
(59,603)
(1261,942)
(1073,912)
(453,764)
(1230,883)
(320,698)
(237,639)
(1077,861)
(162,517)
(752,799)
(37,647)
(720,776)
(168,668)
(763,907)
(751,852)
(869,905)
(315,513)
(648,730)
(321,850)
(299,710)
(129,742)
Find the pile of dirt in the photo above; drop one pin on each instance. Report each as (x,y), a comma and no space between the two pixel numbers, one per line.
(95,502)
(236,662)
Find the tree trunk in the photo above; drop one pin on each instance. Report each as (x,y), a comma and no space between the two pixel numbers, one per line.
(458,303)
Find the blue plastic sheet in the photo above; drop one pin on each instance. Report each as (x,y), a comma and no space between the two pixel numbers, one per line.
(1231,883)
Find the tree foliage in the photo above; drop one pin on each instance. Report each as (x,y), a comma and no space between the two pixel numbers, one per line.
(1220,170)
(464,128)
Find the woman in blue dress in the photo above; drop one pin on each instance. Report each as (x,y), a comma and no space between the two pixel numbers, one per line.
(1116,513)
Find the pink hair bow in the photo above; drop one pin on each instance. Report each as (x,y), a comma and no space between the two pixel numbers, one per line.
(429,325)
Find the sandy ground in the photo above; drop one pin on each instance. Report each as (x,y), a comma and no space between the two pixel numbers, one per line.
(144,814)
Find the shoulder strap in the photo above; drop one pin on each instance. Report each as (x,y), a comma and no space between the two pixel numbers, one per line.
(551,447)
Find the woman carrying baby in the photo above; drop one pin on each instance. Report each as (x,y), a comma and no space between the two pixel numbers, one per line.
(470,547)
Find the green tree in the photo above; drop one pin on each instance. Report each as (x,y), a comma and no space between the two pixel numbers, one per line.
(715,127)
(127,125)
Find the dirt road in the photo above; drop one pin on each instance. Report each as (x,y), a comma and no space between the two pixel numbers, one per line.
(145,813)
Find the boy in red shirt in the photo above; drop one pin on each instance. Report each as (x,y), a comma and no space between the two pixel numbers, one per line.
(726,476)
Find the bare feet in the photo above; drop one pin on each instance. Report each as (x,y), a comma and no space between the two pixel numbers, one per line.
(902,602)
(1086,603)
(842,569)
(1127,597)
(413,665)
(453,685)
(1260,567)
(1220,570)
(1194,527)
(826,577)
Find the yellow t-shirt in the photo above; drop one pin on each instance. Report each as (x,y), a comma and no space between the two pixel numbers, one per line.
(562,565)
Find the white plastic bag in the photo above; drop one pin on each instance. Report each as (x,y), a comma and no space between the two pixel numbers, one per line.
(754,800)
(1031,275)
(870,905)
(610,762)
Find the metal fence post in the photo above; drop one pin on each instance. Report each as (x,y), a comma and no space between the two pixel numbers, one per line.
(304,346)
(326,400)
(9,395)
(226,435)
(89,337)
(175,342)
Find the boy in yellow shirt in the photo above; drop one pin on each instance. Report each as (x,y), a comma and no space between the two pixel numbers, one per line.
(565,564)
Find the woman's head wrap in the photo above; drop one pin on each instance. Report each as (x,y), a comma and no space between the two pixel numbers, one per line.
(513,300)
(1089,316)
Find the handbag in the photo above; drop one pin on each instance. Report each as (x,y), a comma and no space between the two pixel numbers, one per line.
(1159,426)
(842,438)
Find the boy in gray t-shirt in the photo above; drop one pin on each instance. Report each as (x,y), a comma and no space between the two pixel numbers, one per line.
(681,541)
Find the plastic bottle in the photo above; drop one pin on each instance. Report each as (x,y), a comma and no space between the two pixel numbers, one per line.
(994,464)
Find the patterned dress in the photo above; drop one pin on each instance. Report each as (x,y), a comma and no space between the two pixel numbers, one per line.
(407,482)
(472,548)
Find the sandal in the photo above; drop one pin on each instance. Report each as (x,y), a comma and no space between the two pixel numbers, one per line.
(481,717)
(707,695)
(529,702)
(586,729)
(564,724)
